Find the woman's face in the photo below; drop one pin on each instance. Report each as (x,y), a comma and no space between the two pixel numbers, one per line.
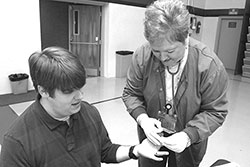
(169,53)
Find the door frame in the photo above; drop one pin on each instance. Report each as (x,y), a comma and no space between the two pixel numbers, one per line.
(218,31)
(98,43)
(104,16)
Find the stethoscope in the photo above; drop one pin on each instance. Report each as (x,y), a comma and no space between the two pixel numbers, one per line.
(168,106)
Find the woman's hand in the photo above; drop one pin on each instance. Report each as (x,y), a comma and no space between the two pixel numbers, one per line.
(176,142)
(151,127)
(149,150)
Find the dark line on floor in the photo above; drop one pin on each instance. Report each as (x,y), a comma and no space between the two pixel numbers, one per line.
(107,100)
(241,80)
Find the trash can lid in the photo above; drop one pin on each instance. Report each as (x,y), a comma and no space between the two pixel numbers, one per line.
(18,77)
(124,52)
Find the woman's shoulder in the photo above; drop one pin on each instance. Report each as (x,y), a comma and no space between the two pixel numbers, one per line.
(202,51)
(142,54)
(205,57)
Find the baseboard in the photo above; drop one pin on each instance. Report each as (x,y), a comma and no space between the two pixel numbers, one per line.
(7,99)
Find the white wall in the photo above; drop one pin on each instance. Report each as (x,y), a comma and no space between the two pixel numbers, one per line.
(125,32)
(209,28)
(195,3)
(224,4)
(20,36)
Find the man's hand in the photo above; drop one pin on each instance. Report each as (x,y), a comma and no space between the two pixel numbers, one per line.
(149,150)
(151,127)
(176,142)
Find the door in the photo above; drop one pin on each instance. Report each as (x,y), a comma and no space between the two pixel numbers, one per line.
(84,36)
(228,41)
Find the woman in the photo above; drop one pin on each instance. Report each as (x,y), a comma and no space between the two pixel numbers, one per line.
(176,87)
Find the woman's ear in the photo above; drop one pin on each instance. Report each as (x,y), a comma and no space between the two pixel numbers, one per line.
(42,91)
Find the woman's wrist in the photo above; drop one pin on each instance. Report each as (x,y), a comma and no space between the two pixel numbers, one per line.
(141,117)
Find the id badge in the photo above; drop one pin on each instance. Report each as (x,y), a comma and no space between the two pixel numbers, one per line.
(168,122)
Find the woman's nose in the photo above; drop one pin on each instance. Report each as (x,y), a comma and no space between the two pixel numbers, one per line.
(164,56)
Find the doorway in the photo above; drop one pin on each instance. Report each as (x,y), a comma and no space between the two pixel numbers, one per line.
(85,36)
(227,41)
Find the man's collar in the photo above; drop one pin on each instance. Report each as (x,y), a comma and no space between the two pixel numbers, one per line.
(46,118)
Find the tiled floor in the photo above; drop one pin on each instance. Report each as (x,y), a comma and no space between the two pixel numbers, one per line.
(231,141)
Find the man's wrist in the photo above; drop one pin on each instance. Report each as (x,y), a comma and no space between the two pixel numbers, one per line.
(133,153)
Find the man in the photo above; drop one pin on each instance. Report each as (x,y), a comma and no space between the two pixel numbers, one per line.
(177,84)
(59,129)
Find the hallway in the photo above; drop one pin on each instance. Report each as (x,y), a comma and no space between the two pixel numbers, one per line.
(230,142)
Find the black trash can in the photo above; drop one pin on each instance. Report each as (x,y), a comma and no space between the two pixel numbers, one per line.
(19,83)
(123,61)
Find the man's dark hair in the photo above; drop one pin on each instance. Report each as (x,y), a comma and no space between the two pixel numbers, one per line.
(56,68)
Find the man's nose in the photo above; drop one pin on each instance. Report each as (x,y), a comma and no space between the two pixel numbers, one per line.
(79,94)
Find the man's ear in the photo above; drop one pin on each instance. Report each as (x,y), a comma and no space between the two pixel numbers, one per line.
(42,91)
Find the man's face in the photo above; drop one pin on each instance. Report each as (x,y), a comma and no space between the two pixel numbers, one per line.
(169,53)
(65,104)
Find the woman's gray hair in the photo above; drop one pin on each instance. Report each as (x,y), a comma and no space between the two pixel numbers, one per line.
(166,18)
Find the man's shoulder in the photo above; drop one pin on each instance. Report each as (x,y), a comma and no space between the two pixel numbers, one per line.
(22,123)
(87,105)
(89,108)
